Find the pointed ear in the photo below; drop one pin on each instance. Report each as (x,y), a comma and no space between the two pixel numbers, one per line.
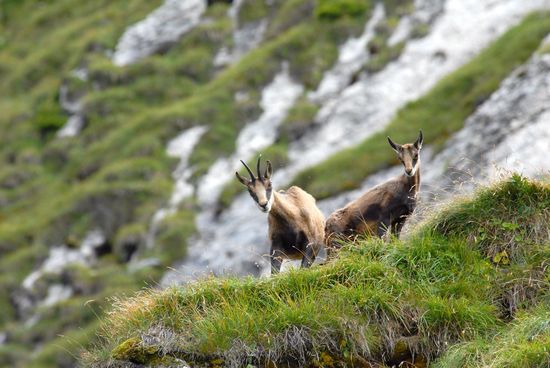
(243,181)
(419,140)
(394,145)
(268,170)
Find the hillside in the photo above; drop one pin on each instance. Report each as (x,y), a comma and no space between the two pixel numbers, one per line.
(468,288)
(122,123)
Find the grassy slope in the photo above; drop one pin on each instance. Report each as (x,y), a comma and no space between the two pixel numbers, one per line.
(463,276)
(53,191)
(439,113)
(56,190)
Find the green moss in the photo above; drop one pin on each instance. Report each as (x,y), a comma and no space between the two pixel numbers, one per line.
(251,11)
(331,9)
(49,118)
(439,113)
(290,13)
(379,60)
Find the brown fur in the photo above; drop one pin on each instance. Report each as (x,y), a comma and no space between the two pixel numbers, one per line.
(382,208)
(296,225)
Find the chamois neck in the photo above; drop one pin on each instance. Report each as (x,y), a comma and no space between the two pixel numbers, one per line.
(412,182)
(278,208)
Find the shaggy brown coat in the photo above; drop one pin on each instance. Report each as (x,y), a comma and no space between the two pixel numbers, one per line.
(382,208)
(296,225)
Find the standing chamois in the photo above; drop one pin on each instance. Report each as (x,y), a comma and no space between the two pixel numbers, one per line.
(384,207)
(296,225)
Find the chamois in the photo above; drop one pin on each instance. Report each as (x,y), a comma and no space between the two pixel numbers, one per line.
(296,225)
(385,206)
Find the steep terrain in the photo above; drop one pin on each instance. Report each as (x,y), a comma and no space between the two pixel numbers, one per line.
(469,287)
(122,124)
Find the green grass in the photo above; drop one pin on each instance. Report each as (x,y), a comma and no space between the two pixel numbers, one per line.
(523,343)
(115,174)
(439,113)
(377,302)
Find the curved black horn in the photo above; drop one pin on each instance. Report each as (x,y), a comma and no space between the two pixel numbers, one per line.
(249,171)
(258,166)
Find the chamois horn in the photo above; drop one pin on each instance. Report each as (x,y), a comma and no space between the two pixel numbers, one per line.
(249,171)
(258,167)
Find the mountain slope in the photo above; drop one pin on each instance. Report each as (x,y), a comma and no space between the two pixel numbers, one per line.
(112,165)
(460,277)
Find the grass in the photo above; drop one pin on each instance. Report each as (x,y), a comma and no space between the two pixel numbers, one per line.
(523,343)
(439,113)
(435,294)
(115,174)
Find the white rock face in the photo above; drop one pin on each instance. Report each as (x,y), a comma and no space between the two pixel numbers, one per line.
(509,132)
(72,127)
(277,98)
(72,104)
(351,57)
(463,29)
(245,37)
(56,294)
(62,256)
(425,12)
(161,28)
(180,147)
(235,242)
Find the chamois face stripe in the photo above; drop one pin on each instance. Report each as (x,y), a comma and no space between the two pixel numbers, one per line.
(296,225)
(385,207)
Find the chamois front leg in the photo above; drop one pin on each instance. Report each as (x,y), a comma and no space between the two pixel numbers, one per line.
(309,255)
(276,257)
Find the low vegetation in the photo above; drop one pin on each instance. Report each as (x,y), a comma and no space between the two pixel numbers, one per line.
(440,296)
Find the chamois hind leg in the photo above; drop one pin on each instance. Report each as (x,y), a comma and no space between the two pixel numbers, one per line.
(382,228)
(397,226)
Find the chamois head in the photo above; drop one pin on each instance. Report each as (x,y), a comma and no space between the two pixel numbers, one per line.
(408,154)
(259,187)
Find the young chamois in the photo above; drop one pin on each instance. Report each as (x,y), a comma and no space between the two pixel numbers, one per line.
(296,225)
(384,207)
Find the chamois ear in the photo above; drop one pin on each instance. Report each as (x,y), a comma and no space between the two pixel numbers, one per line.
(394,145)
(419,140)
(243,181)
(268,170)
